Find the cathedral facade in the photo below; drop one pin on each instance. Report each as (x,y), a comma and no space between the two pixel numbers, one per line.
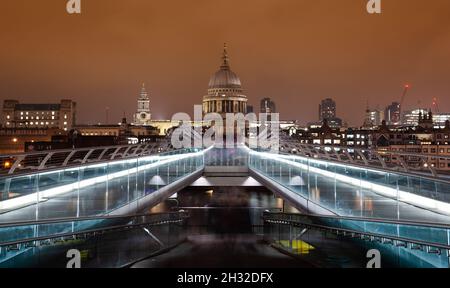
(225,93)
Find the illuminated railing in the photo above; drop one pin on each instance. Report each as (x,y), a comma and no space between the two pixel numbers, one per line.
(37,161)
(348,190)
(89,189)
(419,163)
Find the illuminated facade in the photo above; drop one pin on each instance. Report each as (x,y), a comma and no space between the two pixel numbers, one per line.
(225,93)
(17,115)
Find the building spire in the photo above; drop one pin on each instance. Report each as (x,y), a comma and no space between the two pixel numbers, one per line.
(225,58)
(144,94)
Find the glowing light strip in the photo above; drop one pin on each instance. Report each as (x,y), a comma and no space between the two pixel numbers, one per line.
(399,195)
(52,192)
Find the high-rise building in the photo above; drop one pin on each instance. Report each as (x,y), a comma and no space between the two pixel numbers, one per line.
(392,114)
(143,115)
(267,106)
(17,115)
(374,117)
(225,93)
(411,117)
(327,109)
(440,119)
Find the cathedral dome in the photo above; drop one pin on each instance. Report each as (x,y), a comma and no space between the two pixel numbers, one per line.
(224,78)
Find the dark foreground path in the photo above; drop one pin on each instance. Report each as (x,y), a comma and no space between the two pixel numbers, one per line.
(224,251)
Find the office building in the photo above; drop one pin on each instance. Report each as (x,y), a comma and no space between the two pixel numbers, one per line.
(18,115)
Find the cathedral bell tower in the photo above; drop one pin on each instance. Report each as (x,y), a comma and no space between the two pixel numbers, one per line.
(143,115)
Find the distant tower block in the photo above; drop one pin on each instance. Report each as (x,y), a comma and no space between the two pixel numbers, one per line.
(143,115)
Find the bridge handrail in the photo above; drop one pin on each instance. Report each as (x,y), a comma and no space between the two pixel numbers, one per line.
(270,218)
(83,218)
(368,219)
(357,155)
(154,218)
(60,158)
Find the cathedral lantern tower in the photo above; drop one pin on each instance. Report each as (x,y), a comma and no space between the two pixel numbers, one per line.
(143,115)
(225,93)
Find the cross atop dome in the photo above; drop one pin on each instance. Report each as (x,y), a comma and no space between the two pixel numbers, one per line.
(225,58)
(224,78)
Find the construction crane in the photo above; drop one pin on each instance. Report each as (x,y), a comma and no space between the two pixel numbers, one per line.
(435,105)
(405,92)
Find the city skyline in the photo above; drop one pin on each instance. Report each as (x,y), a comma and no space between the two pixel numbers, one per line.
(102,56)
(259,135)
